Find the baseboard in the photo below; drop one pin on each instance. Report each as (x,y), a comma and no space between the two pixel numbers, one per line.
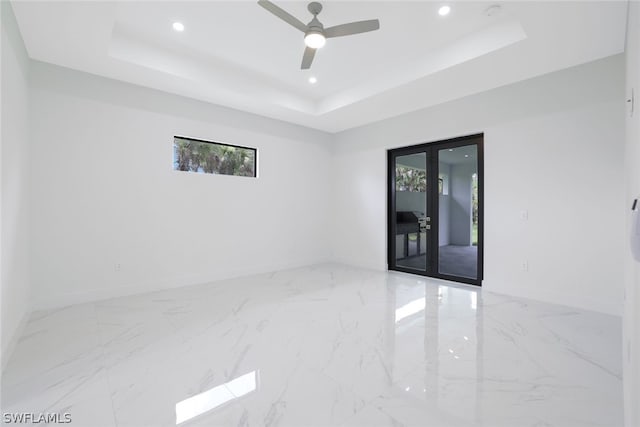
(362,265)
(575,301)
(46,302)
(55,301)
(7,351)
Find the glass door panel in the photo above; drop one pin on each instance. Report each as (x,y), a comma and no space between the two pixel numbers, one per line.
(458,211)
(410,211)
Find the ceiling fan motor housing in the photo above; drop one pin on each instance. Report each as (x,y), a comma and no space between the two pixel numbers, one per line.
(315,26)
(314,7)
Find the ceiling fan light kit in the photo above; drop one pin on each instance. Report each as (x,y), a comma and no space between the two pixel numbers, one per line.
(315,35)
(315,40)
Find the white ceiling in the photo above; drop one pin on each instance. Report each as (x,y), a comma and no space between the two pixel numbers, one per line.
(235,53)
(459,155)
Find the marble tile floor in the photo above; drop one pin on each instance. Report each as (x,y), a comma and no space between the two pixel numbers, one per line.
(321,346)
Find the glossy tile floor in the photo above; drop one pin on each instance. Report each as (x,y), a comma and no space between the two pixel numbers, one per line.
(330,345)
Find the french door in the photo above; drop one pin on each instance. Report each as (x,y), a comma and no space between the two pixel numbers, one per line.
(435,209)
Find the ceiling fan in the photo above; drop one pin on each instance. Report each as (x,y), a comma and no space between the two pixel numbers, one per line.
(315,35)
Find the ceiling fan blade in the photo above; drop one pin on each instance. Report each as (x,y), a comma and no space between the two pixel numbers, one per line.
(282,14)
(352,28)
(307,58)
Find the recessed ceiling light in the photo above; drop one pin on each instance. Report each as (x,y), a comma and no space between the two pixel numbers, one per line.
(178,26)
(313,80)
(450,149)
(466,155)
(444,10)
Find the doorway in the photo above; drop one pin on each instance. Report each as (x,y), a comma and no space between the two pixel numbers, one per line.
(435,209)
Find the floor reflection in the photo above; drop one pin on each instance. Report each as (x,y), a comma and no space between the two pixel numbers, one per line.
(216,397)
(451,372)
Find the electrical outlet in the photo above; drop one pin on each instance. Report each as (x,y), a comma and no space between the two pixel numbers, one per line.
(117,267)
(524,215)
(525,266)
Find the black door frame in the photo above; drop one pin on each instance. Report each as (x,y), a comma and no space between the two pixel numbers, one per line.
(431,148)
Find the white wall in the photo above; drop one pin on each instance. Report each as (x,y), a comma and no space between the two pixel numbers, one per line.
(15,182)
(553,146)
(444,205)
(104,192)
(410,201)
(460,204)
(632,180)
